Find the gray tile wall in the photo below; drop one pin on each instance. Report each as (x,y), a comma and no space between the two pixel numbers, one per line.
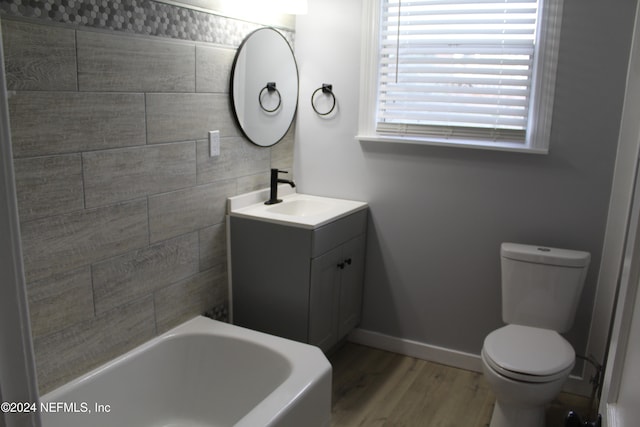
(121,208)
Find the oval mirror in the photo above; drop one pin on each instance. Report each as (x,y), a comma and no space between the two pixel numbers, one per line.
(264,86)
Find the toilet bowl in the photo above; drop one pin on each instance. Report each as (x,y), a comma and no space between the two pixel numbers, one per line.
(526,368)
(527,361)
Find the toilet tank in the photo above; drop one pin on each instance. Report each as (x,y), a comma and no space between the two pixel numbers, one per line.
(541,286)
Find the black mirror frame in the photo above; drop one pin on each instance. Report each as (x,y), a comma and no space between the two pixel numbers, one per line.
(232,77)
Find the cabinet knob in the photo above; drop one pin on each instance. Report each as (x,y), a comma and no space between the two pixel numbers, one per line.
(344,263)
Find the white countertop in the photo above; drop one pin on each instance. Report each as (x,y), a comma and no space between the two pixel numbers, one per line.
(297,210)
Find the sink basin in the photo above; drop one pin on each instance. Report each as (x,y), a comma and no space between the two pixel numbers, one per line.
(296,209)
(300,207)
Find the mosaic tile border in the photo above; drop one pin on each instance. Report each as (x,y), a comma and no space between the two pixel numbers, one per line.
(144,17)
(219,312)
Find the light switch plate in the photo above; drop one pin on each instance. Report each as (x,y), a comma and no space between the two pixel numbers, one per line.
(214,143)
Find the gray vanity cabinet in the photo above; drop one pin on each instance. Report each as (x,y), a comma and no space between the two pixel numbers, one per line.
(298,283)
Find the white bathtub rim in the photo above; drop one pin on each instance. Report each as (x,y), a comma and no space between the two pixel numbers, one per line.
(309,368)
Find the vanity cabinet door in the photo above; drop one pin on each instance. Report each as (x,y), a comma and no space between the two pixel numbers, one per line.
(352,277)
(335,299)
(324,299)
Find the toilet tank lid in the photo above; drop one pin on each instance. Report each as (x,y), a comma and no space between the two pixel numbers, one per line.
(545,255)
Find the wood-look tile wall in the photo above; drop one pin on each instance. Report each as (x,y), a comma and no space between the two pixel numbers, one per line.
(121,207)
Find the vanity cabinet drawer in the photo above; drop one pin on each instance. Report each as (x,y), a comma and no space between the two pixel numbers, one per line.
(337,232)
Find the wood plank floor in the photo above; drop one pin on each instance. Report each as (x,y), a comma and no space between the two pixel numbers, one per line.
(377,388)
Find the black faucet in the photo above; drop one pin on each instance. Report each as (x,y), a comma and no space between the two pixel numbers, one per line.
(273,195)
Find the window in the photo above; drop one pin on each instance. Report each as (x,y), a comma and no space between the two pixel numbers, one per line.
(477,73)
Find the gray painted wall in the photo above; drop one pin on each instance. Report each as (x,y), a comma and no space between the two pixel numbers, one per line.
(438,215)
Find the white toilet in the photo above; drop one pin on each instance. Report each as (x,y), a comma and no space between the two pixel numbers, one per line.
(527,362)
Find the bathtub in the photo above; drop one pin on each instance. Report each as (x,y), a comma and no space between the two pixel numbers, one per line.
(201,373)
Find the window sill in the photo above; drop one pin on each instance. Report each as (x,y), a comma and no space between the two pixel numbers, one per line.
(516,147)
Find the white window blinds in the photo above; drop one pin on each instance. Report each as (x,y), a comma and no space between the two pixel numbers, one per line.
(456,68)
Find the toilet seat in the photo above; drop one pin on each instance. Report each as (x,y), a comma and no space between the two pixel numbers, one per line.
(529,354)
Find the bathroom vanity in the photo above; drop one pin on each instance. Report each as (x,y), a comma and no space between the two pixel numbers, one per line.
(297,267)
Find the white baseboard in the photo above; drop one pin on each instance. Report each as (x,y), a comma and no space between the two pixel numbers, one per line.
(419,350)
(444,356)
(577,385)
